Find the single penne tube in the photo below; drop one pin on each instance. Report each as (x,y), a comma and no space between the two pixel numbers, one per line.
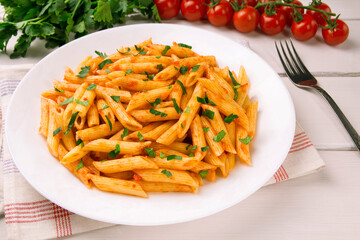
(146,59)
(145,99)
(136,67)
(66,86)
(69,140)
(62,151)
(223,158)
(72,78)
(126,120)
(134,84)
(191,110)
(174,50)
(231,128)
(93,116)
(137,135)
(212,159)
(126,175)
(70,107)
(185,98)
(169,136)
(202,166)
(82,107)
(164,159)
(169,73)
(161,175)
(176,146)
(210,133)
(245,85)
(242,149)
(105,112)
(219,126)
(229,106)
(105,145)
(198,138)
(165,104)
(123,74)
(231,158)
(251,113)
(196,72)
(53,94)
(164,187)
(152,115)
(155,133)
(89,163)
(53,138)
(125,164)
(100,131)
(124,96)
(81,173)
(118,186)
(215,87)
(44,119)
(224,73)
(177,92)
(74,155)
(246,103)
(119,135)
(222,86)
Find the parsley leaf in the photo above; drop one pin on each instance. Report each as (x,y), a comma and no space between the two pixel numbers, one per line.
(208,113)
(100,54)
(156,113)
(105,62)
(84,103)
(84,71)
(183,70)
(187,110)
(184,45)
(191,155)
(176,106)
(91,86)
(172,157)
(71,122)
(109,122)
(167,48)
(246,140)
(150,152)
(79,141)
(230,118)
(182,86)
(125,133)
(157,102)
(59,90)
(219,136)
(56,131)
(104,106)
(205,100)
(203,173)
(204,149)
(166,172)
(128,50)
(162,155)
(114,152)
(67,101)
(128,71)
(115,98)
(80,165)
(236,93)
(206,129)
(195,68)
(141,137)
(107,70)
(160,67)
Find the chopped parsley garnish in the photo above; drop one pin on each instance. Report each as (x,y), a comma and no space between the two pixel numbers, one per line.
(204,149)
(160,67)
(107,70)
(150,152)
(219,136)
(236,85)
(176,68)
(108,120)
(167,48)
(67,101)
(236,93)
(192,148)
(104,106)
(80,142)
(187,110)
(203,173)
(125,133)
(84,71)
(176,106)
(195,68)
(141,137)
(114,152)
(156,113)
(184,45)
(208,113)
(246,140)
(58,90)
(100,54)
(187,147)
(230,118)
(182,126)
(166,172)
(80,165)
(205,100)
(145,79)
(206,129)
(151,77)
(128,50)
(56,131)
(71,122)
(115,98)
(140,50)
(172,157)
(128,71)
(119,87)
(191,155)
(162,155)
(91,86)
(158,57)
(182,86)
(84,103)
(170,86)
(105,62)
(183,70)
(157,102)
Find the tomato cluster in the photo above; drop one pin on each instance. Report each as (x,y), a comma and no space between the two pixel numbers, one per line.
(247,15)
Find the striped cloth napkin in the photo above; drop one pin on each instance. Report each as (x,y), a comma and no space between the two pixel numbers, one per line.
(28,215)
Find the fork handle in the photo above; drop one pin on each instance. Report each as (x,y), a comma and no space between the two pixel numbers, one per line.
(354,135)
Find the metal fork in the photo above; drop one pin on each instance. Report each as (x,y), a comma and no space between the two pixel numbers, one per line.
(301,77)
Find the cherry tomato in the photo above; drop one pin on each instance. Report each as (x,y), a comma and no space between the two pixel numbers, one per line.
(274,24)
(289,10)
(318,16)
(167,8)
(338,35)
(305,29)
(221,14)
(261,9)
(246,20)
(193,10)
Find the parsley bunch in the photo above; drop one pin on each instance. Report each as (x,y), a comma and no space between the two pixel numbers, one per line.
(59,21)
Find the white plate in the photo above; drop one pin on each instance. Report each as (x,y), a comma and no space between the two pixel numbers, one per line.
(275,131)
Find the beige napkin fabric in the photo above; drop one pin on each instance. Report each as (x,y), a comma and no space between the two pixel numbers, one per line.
(30,216)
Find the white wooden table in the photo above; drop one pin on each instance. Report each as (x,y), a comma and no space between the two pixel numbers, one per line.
(325,205)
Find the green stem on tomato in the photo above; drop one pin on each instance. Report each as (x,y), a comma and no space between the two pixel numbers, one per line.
(294,6)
